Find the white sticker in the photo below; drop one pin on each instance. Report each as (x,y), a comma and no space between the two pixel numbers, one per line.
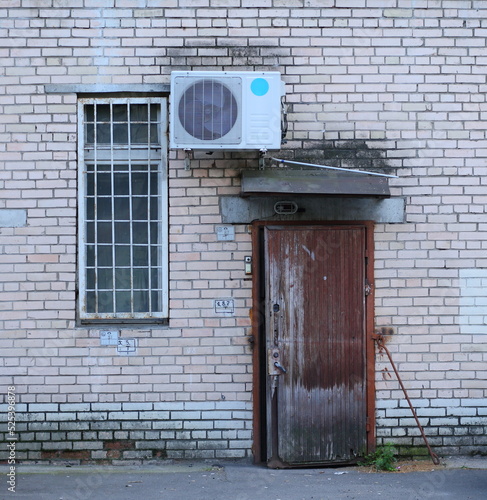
(224,306)
(127,347)
(225,233)
(108,337)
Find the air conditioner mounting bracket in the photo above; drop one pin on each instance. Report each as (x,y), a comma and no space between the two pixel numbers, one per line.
(262,158)
(188,156)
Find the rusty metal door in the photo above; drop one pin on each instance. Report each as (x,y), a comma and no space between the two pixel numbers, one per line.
(315,288)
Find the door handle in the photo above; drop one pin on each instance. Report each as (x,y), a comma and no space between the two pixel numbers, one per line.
(278,365)
(274,366)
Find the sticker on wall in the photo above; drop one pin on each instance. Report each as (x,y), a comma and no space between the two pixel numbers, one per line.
(108,337)
(127,347)
(224,306)
(225,233)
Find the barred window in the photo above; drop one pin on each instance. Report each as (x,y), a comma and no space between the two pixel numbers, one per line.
(122,210)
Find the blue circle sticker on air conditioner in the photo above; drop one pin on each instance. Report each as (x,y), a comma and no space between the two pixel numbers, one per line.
(259,86)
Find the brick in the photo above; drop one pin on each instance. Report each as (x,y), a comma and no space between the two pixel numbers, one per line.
(65,455)
(119,445)
(231,453)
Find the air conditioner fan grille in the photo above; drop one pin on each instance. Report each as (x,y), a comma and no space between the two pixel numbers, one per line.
(208,110)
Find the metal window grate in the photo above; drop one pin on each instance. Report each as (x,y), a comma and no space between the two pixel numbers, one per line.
(123,247)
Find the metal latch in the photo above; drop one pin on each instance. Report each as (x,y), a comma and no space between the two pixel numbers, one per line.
(274,362)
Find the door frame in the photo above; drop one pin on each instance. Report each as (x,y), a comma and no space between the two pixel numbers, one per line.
(258,331)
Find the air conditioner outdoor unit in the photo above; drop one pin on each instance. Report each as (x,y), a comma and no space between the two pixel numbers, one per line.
(225,110)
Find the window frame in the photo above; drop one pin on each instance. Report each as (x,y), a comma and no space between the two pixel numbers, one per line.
(132,154)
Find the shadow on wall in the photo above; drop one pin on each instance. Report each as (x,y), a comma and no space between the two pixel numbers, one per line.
(358,154)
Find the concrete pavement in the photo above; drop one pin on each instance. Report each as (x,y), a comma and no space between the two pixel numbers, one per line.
(459,478)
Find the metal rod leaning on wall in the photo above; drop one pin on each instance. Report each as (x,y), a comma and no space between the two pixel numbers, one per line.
(380,343)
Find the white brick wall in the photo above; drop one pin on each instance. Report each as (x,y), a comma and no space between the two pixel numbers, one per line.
(404,81)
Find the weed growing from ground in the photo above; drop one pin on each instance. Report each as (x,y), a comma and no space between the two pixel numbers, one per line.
(382,459)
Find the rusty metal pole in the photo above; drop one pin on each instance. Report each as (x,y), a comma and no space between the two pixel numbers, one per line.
(380,342)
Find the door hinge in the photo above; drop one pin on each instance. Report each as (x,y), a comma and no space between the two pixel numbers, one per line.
(368,288)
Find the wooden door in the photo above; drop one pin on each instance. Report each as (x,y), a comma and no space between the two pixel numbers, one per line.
(315,286)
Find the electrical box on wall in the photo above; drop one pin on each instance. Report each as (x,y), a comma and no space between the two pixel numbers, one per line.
(226,110)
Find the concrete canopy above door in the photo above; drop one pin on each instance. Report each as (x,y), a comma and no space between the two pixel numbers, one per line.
(318,195)
(313,182)
(238,210)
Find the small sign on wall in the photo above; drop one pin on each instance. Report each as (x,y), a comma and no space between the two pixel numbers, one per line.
(127,347)
(108,337)
(224,306)
(225,233)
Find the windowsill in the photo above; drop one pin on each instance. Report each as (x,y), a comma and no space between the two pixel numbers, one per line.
(123,323)
(98,89)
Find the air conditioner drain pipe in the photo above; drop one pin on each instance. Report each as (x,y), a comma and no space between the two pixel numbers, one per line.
(382,347)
